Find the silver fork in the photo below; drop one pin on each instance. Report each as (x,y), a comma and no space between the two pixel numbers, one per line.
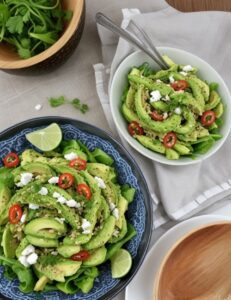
(144,42)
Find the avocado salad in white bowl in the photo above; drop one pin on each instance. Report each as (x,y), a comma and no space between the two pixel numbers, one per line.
(176,116)
(69,218)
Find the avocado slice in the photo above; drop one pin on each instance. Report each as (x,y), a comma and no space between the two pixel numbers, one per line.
(9,243)
(59,270)
(42,242)
(47,228)
(214,100)
(96,258)
(41,169)
(30,156)
(68,250)
(41,283)
(5,195)
(23,244)
(122,207)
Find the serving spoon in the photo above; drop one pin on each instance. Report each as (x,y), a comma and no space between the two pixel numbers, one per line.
(144,42)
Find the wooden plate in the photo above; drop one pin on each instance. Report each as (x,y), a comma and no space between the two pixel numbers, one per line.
(198,266)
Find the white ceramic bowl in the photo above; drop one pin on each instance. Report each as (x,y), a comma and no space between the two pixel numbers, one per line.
(205,72)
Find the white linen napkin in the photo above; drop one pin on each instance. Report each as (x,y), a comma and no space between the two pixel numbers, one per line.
(183,191)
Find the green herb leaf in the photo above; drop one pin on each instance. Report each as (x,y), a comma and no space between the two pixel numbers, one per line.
(55,102)
(4,14)
(213,86)
(67,15)
(15,24)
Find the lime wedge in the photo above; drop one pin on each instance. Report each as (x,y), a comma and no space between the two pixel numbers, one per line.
(121,263)
(46,139)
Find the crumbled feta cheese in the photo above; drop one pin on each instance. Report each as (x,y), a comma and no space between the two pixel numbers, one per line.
(70,156)
(28,250)
(38,107)
(43,191)
(183,73)
(55,253)
(187,68)
(23,218)
(71,203)
(115,213)
(116,232)
(85,224)
(171,79)
(33,206)
(60,220)
(159,81)
(32,258)
(165,115)
(155,96)
(61,200)
(25,179)
(53,180)
(166,98)
(56,195)
(112,206)
(86,231)
(101,184)
(23,261)
(177,110)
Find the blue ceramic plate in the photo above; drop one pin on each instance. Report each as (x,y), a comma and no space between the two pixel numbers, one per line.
(139,213)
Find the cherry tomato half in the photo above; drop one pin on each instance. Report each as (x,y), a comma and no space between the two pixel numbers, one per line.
(78,164)
(180,85)
(66,180)
(156,116)
(11,160)
(135,128)
(208,118)
(81,255)
(170,140)
(15,214)
(84,189)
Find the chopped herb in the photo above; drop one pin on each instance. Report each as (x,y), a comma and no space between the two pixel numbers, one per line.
(76,103)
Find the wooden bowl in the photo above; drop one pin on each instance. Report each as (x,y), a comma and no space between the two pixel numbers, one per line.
(198,266)
(55,55)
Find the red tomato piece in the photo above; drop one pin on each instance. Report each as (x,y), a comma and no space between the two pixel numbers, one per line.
(15,214)
(11,160)
(66,180)
(135,128)
(84,189)
(208,118)
(170,140)
(78,164)
(81,255)
(180,85)
(156,116)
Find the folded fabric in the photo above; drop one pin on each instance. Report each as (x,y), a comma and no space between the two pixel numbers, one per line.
(185,190)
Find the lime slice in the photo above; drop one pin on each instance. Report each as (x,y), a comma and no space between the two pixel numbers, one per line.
(121,263)
(46,139)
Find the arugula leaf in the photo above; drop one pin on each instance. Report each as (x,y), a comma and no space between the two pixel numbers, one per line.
(15,24)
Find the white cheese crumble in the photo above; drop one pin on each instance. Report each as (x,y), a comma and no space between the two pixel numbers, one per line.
(112,206)
(183,73)
(171,79)
(25,179)
(165,115)
(159,81)
(43,191)
(155,96)
(166,98)
(33,206)
(23,261)
(53,180)
(32,258)
(101,184)
(56,195)
(61,200)
(72,203)
(55,253)
(115,213)
(28,250)
(70,156)
(85,226)
(23,218)
(187,68)
(38,107)
(177,110)
(60,220)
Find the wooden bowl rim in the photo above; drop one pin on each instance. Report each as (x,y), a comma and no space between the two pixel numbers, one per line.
(59,44)
(177,243)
